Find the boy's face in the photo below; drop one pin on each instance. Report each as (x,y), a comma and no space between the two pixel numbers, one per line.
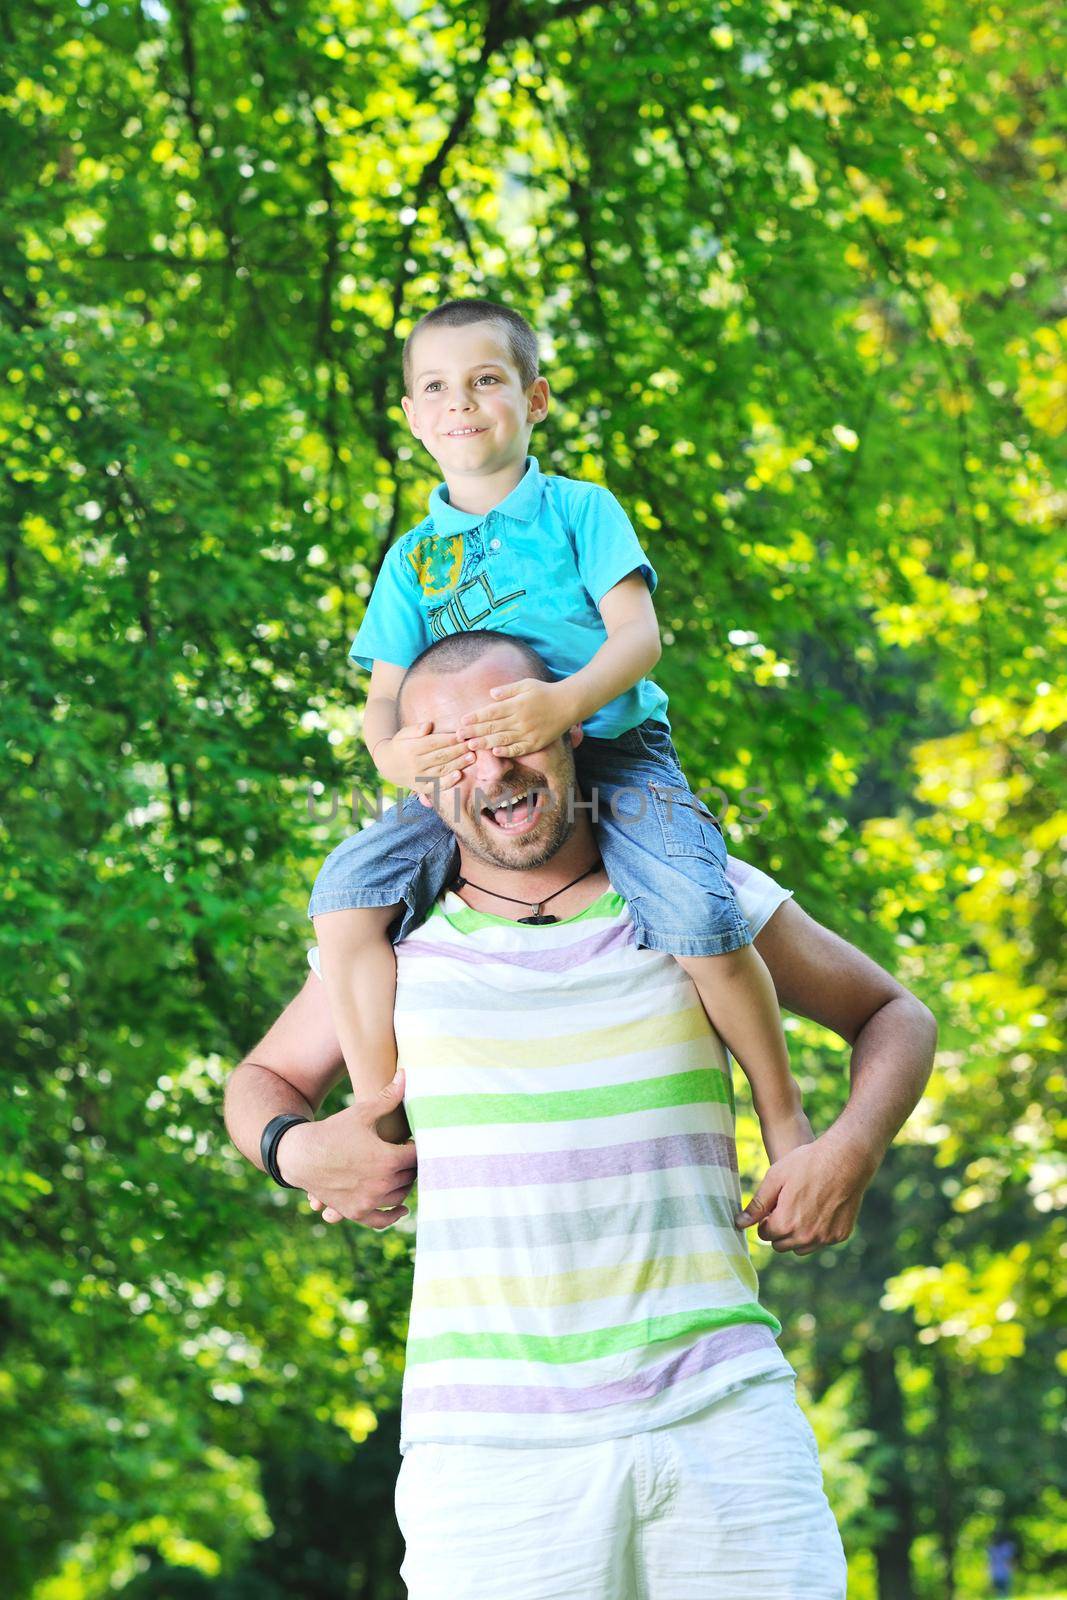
(465,378)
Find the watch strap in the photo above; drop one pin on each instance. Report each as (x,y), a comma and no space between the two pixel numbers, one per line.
(268,1144)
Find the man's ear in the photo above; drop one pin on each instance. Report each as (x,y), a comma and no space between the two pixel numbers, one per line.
(576,733)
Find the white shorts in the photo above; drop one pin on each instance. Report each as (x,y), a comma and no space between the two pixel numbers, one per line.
(726,1504)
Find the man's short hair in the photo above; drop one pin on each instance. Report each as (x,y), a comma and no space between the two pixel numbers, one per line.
(460,650)
(520,338)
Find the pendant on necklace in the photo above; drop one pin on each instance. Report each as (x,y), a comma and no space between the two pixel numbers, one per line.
(538,922)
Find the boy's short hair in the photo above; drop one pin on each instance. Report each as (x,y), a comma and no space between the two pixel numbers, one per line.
(520,337)
(459,650)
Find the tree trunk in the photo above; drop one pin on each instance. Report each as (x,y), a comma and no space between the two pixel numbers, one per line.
(885,1415)
(884,1401)
(945,1511)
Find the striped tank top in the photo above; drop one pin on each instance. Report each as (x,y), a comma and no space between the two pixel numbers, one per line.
(577,1272)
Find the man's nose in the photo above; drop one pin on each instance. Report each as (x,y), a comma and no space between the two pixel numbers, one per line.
(487,768)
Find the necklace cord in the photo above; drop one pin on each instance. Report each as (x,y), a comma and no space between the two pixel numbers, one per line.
(460,882)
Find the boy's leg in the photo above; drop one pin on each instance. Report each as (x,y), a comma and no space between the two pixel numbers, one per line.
(739,996)
(359,971)
(666,856)
(391,871)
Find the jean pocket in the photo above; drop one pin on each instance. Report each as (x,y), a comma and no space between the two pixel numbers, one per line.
(630,743)
(653,739)
(688,827)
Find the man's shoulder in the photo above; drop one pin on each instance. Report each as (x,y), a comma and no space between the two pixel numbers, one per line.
(758,894)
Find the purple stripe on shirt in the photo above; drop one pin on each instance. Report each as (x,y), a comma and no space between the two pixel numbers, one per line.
(571,1166)
(507,1400)
(613,936)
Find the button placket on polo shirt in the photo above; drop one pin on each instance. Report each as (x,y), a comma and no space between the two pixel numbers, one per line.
(488,526)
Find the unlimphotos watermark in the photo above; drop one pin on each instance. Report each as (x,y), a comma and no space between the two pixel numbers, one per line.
(627,805)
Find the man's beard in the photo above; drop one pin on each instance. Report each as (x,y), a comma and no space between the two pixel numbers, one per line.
(551,831)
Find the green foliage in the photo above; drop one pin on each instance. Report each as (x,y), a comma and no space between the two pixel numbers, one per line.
(794,268)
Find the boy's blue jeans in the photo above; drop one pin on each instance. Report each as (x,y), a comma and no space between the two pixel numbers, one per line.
(662,849)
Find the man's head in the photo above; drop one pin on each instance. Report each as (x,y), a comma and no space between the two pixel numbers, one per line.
(455,675)
(473,364)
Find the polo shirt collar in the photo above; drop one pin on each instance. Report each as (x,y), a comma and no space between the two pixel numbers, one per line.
(523,503)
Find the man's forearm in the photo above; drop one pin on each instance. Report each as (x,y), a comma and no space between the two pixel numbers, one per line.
(891,1061)
(339,1158)
(253,1096)
(811,1197)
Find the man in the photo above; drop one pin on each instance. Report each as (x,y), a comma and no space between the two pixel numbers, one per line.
(594,1400)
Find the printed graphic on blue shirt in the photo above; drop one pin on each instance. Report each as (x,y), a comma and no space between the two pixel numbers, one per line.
(455,566)
(438,563)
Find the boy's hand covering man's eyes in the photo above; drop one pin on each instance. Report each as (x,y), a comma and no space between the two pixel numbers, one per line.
(417,756)
(525,716)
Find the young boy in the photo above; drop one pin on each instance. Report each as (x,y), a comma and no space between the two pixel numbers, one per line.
(556,563)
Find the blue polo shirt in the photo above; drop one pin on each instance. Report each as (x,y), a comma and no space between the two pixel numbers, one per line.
(537,565)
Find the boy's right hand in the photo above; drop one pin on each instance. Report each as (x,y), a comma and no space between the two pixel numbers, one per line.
(415,756)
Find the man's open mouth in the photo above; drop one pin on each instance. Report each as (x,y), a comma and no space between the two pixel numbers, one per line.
(518,814)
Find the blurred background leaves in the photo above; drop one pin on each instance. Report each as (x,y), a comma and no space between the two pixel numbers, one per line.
(795,272)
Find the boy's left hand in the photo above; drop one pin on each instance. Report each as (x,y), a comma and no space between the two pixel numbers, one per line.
(525,715)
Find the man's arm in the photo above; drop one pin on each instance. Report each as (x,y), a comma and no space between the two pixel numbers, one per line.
(812,1196)
(341,1158)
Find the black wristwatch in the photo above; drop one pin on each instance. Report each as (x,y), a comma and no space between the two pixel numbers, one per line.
(268,1144)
